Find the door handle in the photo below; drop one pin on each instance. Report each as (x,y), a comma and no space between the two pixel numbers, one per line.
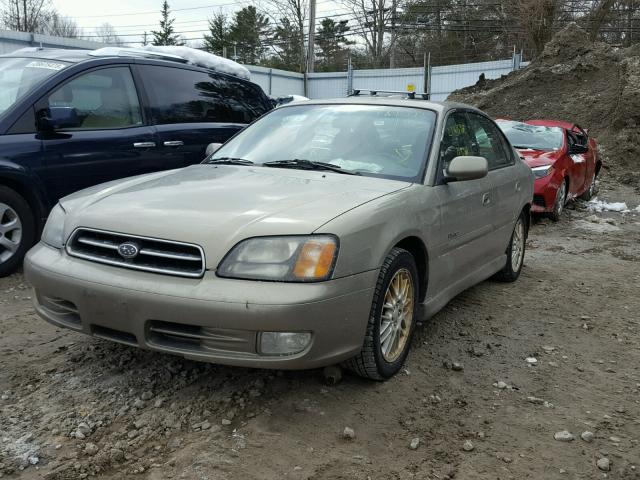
(144,144)
(486,199)
(518,187)
(173,143)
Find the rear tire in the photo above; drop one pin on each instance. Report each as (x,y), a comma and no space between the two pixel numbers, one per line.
(515,251)
(392,319)
(590,192)
(17,230)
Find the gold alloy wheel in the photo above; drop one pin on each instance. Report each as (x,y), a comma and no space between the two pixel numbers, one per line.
(397,315)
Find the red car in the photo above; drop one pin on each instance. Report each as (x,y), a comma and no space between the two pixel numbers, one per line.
(563,157)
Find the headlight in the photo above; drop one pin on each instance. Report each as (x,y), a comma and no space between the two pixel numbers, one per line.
(53,233)
(543,171)
(284,259)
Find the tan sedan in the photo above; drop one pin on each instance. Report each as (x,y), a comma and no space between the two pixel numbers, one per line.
(308,239)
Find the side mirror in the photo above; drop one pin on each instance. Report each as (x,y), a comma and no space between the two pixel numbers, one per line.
(55,118)
(212,148)
(578,149)
(465,168)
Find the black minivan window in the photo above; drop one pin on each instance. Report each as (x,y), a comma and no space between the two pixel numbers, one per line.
(188,96)
(102,99)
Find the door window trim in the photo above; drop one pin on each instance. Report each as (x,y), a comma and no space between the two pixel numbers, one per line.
(509,153)
(43,103)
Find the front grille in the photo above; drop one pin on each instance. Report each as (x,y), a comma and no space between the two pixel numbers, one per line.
(194,338)
(153,255)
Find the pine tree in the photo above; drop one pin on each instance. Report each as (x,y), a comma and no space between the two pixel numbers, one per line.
(166,35)
(332,41)
(247,34)
(218,37)
(287,40)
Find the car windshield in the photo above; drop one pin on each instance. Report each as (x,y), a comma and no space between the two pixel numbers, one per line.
(19,75)
(522,135)
(371,140)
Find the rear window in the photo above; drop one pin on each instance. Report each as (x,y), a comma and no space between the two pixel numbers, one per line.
(188,96)
(525,136)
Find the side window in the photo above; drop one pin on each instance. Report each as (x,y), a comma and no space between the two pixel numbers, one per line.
(100,99)
(188,96)
(456,139)
(488,141)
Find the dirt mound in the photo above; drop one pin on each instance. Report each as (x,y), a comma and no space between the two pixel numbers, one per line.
(592,84)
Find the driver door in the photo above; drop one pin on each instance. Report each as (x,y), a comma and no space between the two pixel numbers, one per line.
(465,208)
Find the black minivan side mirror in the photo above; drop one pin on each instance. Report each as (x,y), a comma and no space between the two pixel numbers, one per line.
(55,118)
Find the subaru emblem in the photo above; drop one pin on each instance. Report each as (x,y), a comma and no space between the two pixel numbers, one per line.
(128,250)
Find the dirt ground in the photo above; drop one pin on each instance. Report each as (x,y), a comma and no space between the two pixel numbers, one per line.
(77,407)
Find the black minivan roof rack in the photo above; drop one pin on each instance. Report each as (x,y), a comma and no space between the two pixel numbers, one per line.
(373,93)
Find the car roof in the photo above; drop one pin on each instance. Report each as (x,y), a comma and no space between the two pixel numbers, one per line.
(62,54)
(391,101)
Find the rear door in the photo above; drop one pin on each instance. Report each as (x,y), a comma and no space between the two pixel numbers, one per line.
(110,139)
(192,108)
(505,187)
(466,208)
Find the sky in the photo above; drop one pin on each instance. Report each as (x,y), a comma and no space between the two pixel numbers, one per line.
(131,18)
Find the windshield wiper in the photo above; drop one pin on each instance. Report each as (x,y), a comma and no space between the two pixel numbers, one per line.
(309,165)
(229,161)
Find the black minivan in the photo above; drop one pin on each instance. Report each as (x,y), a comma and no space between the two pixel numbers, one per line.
(70,119)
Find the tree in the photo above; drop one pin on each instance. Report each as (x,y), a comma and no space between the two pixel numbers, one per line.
(166,34)
(105,33)
(219,35)
(285,42)
(25,15)
(374,18)
(332,41)
(295,12)
(55,24)
(247,34)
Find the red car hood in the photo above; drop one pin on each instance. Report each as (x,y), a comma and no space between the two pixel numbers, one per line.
(538,158)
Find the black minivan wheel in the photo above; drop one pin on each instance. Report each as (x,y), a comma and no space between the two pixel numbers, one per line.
(17,230)
(392,319)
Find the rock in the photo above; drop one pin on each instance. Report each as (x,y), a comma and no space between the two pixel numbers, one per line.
(414,444)
(91,449)
(564,436)
(158,403)
(501,385)
(548,349)
(205,425)
(226,421)
(531,360)
(116,455)
(468,446)
(615,439)
(348,433)
(587,436)
(83,428)
(458,367)
(604,464)
(138,403)
(146,396)
(33,460)
(535,400)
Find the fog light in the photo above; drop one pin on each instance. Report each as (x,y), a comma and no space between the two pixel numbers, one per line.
(283,343)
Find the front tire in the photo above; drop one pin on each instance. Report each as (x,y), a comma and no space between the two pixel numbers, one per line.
(17,230)
(591,191)
(560,202)
(392,319)
(515,251)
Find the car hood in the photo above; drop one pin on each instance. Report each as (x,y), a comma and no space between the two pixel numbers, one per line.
(216,206)
(538,158)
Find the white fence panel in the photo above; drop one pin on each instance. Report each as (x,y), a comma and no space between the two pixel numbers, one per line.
(277,82)
(394,79)
(448,78)
(327,85)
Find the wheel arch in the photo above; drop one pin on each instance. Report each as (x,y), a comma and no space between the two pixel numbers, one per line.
(416,247)
(28,190)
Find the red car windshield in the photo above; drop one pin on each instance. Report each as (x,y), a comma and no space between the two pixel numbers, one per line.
(525,136)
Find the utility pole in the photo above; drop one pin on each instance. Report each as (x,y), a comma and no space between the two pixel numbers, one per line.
(312,33)
(392,53)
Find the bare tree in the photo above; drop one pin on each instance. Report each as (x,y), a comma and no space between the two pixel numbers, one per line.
(25,15)
(105,33)
(296,13)
(373,18)
(55,24)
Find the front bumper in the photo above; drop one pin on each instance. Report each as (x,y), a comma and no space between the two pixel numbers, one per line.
(545,190)
(208,319)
